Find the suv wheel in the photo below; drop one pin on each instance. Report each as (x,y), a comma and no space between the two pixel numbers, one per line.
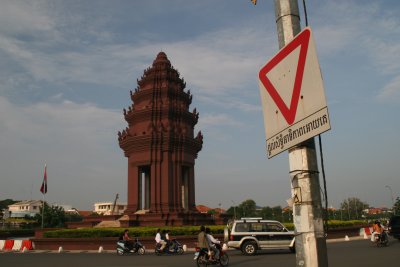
(249,248)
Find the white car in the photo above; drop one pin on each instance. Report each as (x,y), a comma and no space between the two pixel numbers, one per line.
(252,234)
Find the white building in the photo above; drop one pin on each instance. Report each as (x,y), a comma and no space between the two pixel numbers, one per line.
(105,208)
(23,208)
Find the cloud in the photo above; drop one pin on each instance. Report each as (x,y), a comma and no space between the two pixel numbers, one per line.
(24,18)
(391,91)
(369,32)
(217,64)
(78,142)
(218,120)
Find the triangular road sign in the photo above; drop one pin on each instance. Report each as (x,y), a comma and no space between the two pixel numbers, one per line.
(292,95)
(302,40)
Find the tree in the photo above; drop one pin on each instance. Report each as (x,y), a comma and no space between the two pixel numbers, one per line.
(248,208)
(213,212)
(266,213)
(352,208)
(5,203)
(396,207)
(54,216)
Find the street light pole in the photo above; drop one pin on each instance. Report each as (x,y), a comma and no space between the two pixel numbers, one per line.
(391,195)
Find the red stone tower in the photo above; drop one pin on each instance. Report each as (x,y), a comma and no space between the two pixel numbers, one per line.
(159,143)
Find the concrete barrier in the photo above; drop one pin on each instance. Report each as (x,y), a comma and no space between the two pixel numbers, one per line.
(17,245)
(27,244)
(2,244)
(365,231)
(8,244)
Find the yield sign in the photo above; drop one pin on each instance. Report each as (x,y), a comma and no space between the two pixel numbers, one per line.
(302,40)
(292,95)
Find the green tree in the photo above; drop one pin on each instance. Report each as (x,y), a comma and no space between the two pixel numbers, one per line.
(396,207)
(213,212)
(266,213)
(248,208)
(6,202)
(54,217)
(352,208)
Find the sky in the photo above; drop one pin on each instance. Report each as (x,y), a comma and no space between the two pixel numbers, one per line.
(66,69)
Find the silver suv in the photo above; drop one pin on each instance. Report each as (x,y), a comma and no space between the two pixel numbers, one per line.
(252,234)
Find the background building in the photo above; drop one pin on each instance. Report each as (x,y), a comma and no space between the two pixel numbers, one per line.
(107,208)
(24,208)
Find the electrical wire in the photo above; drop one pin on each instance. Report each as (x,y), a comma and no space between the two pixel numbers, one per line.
(325,194)
(305,12)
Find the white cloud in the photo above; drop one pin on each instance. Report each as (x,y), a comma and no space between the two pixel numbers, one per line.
(24,18)
(218,120)
(78,142)
(391,91)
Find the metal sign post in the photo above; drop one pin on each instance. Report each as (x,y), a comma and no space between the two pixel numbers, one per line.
(307,209)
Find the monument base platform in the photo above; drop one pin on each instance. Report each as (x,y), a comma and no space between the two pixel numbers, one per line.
(172,219)
(153,219)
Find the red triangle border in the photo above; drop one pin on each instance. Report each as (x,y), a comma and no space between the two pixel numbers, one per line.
(301,40)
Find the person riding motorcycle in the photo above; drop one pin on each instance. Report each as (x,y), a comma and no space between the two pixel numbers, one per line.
(376,229)
(169,240)
(212,242)
(202,238)
(128,242)
(160,240)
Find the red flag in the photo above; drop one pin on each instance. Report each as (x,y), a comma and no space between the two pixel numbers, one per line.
(43,188)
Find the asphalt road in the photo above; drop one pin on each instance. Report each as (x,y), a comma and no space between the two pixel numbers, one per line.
(340,254)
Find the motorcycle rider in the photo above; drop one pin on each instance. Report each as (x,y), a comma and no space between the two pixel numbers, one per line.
(170,241)
(376,229)
(212,242)
(128,242)
(202,239)
(160,240)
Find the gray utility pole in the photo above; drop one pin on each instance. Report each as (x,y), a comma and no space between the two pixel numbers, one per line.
(307,208)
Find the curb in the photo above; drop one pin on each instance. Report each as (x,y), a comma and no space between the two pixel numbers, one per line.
(189,250)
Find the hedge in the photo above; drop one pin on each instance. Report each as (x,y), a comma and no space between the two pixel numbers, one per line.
(6,233)
(133,231)
(174,230)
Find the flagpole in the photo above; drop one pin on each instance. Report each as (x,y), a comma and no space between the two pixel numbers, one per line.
(43,210)
(43,189)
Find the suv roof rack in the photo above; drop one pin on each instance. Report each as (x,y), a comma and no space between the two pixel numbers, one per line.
(251,218)
(257,219)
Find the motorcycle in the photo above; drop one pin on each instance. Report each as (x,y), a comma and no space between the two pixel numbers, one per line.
(381,240)
(136,247)
(174,247)
(202,258)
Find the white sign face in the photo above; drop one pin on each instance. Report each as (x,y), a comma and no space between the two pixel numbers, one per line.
(292,95)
